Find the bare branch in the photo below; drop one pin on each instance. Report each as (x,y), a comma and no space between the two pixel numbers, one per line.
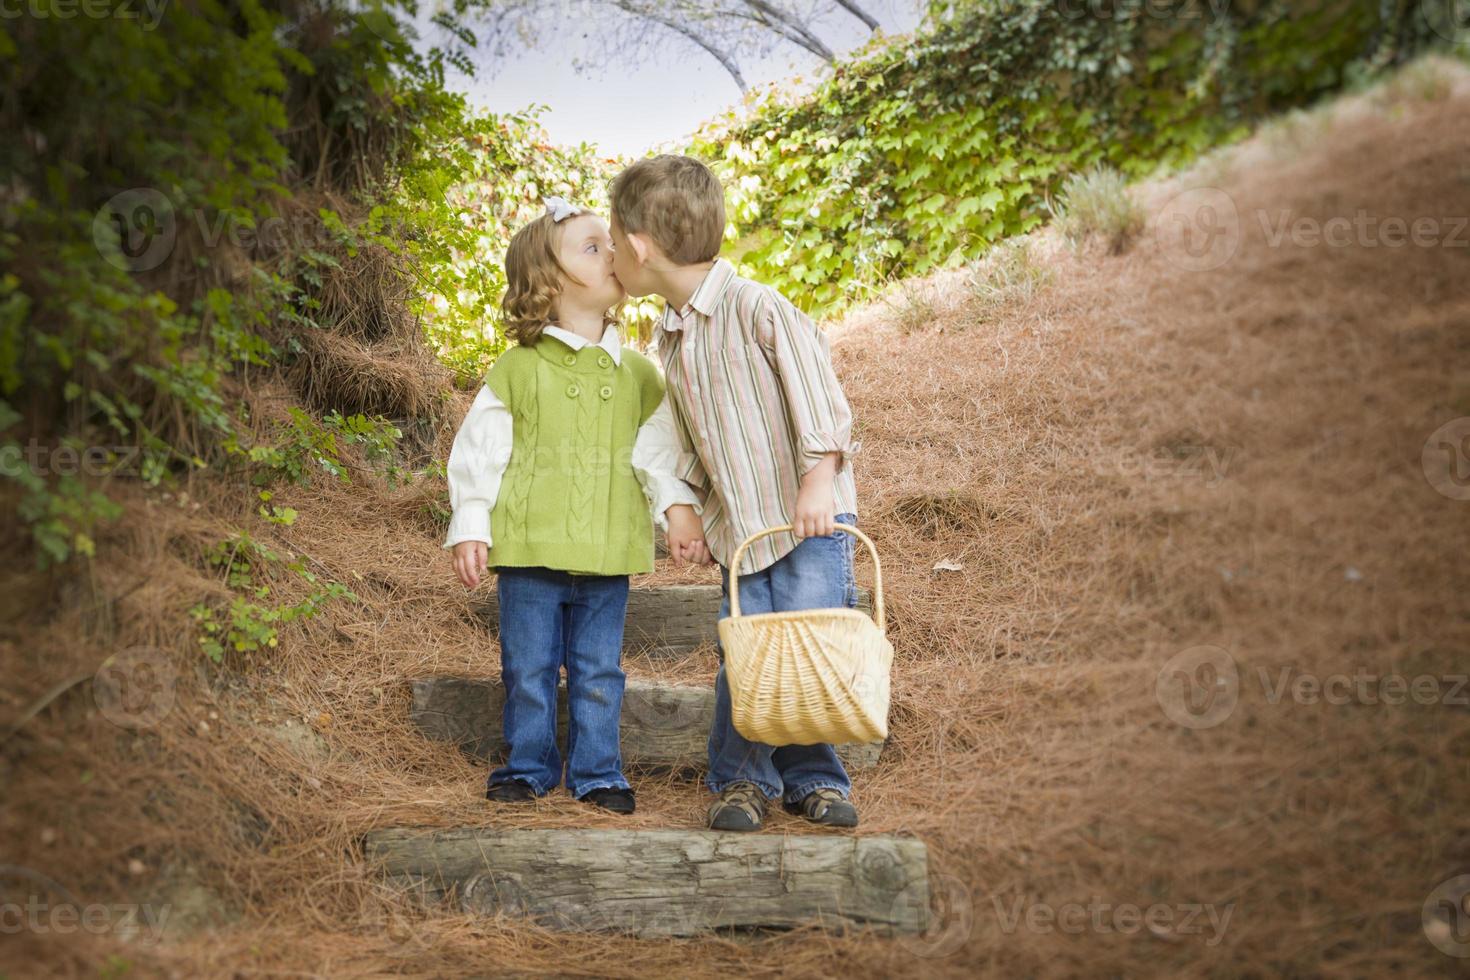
(685,31)
(791,29)
(851,7)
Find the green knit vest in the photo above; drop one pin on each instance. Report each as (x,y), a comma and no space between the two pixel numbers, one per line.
(569,499)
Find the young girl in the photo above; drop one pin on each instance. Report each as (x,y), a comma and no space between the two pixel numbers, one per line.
(564,449)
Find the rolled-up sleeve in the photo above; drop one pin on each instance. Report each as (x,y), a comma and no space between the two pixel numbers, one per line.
(656,461)
(477,461)
(820,416)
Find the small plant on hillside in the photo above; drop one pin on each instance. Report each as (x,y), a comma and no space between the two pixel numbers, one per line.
(1425,79)
(912,304)
(1008,276)
(1097,204)
(1298,130)
(250,568)
(304,442)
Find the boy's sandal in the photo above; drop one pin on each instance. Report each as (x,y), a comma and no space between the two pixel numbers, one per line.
(825,806)
(514,791)
(741,806)
(618,799)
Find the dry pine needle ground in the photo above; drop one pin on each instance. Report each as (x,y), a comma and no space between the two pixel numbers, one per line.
(1121,462)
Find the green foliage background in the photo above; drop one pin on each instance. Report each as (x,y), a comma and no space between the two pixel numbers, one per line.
(293,152)
(924,151)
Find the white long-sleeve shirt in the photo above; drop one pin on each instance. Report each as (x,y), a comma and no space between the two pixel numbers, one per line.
(481,454)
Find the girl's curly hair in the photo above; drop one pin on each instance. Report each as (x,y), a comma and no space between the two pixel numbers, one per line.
(534,275)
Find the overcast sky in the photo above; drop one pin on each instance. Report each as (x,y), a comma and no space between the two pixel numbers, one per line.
(630,107)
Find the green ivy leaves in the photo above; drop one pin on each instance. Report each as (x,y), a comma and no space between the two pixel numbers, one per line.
(931,148)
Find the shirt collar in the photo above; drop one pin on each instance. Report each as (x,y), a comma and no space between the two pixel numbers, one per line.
(610,341)
(706,298)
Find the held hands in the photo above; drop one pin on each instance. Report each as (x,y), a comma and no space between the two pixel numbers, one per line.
(686,536)
(469,562)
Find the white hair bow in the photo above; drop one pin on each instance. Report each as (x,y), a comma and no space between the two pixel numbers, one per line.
(559,209)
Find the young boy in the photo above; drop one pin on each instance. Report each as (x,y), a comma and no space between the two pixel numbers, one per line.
(766,435)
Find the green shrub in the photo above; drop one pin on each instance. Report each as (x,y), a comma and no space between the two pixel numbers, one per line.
(926,150)
(1425,79)
(912,305)
(1097,204)
(1009,275)
(253,569)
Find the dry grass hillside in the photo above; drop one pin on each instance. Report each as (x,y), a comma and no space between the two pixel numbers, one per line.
(1139,512)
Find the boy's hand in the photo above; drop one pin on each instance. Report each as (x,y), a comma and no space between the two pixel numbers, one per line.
(686,536)
(469,562)
(815,505)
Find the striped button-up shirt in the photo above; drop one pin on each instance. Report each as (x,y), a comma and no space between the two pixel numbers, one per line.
(757,405)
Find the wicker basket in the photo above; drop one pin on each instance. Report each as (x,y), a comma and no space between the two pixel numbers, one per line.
(811,676)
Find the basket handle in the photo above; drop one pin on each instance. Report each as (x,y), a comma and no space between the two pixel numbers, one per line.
(877,569)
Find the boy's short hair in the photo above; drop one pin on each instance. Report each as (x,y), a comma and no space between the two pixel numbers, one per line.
(675,200)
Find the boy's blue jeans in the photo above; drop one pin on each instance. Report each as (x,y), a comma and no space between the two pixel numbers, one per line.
(817,574)
(551,619)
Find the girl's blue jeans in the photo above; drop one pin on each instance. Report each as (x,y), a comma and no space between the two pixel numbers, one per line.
(816,574)
(551,619)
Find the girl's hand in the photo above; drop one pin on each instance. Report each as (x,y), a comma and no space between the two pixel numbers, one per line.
(469,562)
(686,536)
(697,553)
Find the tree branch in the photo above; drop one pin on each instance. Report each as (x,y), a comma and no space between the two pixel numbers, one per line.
(791,29)
(627,6)
(851,7)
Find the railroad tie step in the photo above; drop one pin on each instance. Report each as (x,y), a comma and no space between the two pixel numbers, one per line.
(664,882)
(664,726)
(666,620)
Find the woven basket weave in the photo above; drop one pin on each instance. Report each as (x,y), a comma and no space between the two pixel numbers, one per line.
(816,675)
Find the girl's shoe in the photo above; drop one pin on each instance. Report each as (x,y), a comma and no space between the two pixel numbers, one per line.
(515,791)
(616,799)
(827,807)
(742,806)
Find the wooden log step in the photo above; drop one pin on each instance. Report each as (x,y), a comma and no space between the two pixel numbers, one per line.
(665,619)
(664,726)
(664,882)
